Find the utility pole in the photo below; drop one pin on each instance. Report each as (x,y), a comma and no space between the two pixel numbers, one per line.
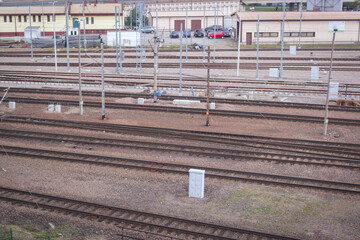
(42,18)
(239,45)
(81,103)
(181,35)
(120,48)
(83,11)
(186,36)
(282,41)
(55,47)
(102,83)
(257,49)
(204,36)
(31,43)
(155,50)
(67,36)
(214,31)
(208,90)
(301,8)
(116,39)
(328,87)
(157,44)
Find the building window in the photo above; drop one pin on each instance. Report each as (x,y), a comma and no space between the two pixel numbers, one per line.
(39,18)
(296,34)
(34,18)
(25,18)
(87,20)
(48,18)
(5,19)
(19,17)
(54,18)
(92,20)
(310,34)
(10,18)
(267,34)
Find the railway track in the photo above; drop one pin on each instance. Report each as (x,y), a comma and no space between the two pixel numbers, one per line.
(38,91)
(159,225)
(265,66)
(245,84)
(177,50)
(224,113)
(321,148)
(183,169)
(41,55)
(228,86)
(217,152)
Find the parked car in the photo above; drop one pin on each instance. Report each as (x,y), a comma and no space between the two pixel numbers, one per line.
(148,29)
(216,27)
(174,34)
(218,34)
(227,33)
(199,33)
(187,33)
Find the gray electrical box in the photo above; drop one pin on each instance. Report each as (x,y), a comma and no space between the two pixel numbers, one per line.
(196,183)
(314,73)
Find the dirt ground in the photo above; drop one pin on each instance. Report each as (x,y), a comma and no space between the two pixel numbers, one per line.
(302,213)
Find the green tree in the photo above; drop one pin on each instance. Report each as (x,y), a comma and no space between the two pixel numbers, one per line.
(131,19)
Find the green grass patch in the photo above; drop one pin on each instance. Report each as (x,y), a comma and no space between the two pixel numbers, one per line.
(29,231)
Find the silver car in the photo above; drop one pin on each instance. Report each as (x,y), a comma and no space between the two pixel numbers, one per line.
(148,29)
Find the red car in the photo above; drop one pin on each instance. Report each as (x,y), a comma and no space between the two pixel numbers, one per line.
(218,34)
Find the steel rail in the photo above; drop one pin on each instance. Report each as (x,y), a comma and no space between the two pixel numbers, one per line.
(14,54)
(215,137)
(218,50)
(218,152)
(185,65)
(133,218)
(170,98)
(243,114)
(183,169)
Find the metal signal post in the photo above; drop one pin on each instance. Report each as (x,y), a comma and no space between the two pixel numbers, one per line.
(208,90)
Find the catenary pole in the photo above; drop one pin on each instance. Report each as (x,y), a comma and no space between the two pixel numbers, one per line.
(181,35)
(84,23)
(55,47)
(214,32)
(328,86)
(155,65)
(204,36)
(42,18)
(301,8)
(208,90)
(31,43)
(79,52)
(157,43)
(186,36)
(257,48)
(282,41)
(102,83)
(120,48)
(116,40)
(67,36)
(239,45)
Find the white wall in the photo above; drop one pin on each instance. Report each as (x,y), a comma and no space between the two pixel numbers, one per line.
(128,39)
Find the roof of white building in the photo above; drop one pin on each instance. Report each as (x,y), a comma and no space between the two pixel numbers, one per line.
(295,16)
(183,13)
(34,10)
(108,8)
